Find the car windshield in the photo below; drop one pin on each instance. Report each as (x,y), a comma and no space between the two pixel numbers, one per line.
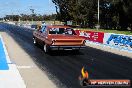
(68,31)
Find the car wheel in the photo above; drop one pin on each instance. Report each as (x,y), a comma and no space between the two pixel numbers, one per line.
(46,48)
(34,41)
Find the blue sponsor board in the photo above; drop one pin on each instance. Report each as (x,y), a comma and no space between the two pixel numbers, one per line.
(123,41)
(3,62)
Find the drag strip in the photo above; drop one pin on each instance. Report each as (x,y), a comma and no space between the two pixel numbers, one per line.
(64,67)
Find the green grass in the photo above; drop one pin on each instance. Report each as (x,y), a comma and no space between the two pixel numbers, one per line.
(108,31)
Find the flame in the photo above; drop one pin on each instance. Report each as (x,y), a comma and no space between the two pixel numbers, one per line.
(84,73)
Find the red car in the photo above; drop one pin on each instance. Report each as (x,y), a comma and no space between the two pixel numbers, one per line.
(58,38)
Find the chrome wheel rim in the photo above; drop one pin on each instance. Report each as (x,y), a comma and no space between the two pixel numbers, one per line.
(45,49)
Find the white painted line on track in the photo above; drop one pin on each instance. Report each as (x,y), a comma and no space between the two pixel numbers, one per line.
(11,78)
(25,67)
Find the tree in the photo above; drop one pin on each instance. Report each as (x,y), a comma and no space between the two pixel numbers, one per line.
(123,11)
(62,9)
(113,13)
(81,11)
(12,17)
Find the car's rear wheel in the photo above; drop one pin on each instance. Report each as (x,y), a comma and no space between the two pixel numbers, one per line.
(46,48)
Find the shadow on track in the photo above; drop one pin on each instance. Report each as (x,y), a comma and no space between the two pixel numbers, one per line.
(62,52)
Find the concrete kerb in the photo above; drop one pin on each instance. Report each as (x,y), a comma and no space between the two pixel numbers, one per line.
(109,46)
(7,56)
(10,78)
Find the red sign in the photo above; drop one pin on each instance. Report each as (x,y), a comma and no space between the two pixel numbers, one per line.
(90,35)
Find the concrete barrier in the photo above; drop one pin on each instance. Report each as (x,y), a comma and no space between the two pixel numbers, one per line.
(91,35)
(120,41)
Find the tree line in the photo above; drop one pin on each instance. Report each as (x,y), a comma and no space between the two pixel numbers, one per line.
(31,17)
(114,14)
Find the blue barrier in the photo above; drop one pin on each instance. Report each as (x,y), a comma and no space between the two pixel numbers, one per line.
(3,61)
(121,40)
(118,41)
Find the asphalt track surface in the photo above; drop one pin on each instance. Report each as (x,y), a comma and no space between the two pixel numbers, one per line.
(64,67)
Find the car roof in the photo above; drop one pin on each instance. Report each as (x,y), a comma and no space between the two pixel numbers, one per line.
(58,26)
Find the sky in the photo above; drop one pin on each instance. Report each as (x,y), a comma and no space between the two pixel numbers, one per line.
(16,7)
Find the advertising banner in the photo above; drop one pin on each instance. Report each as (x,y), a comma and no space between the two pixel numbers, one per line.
(91,35)
(118,40)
